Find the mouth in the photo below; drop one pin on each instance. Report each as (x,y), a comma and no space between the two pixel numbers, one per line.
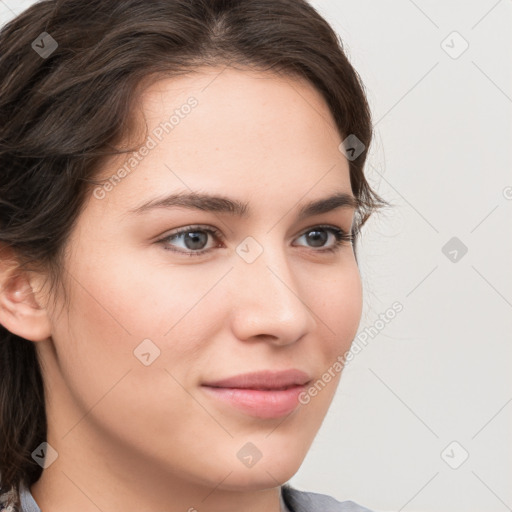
(266,394)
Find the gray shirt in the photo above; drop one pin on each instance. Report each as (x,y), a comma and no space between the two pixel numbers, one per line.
(292,500)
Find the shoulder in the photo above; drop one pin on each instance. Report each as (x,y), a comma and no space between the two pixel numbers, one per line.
(302,501)
(9,500)
(20,500)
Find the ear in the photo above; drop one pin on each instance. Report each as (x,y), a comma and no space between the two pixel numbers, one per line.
(20,310)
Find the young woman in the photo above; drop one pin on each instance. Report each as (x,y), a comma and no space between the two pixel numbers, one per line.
(181,192)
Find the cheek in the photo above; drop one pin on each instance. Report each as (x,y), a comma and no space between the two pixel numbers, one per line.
(339,305)
(94,344)
(105,380)
(148,296)
(114,309)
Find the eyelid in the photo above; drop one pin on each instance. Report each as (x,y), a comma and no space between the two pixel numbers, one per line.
(340,234)
(186,229)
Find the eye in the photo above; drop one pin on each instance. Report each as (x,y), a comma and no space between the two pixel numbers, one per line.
(319,235)
(195,238)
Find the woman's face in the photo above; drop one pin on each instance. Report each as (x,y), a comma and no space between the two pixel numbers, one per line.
(154,316)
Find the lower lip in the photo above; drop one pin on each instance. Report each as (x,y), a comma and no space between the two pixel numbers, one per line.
(259,403)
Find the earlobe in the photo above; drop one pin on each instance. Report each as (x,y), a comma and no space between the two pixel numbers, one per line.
(20,312)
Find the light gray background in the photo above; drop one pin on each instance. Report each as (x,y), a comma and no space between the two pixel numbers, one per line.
(439,371)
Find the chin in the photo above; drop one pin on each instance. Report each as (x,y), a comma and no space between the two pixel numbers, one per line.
(253,479)
(275,467)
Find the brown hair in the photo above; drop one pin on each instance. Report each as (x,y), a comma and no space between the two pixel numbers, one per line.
(62,114)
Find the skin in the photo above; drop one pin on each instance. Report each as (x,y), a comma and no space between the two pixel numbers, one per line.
(134,437)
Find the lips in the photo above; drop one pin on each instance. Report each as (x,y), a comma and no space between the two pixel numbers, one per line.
(264,394)
(263,380)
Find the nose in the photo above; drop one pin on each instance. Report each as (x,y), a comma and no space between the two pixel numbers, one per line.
(269,302)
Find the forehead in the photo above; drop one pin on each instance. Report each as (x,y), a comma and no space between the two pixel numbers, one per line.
(233,107)
(222,128)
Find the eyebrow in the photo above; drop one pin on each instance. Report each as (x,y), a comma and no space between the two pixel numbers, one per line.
(222,204)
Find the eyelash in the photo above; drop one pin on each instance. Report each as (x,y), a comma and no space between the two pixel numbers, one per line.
(341,238)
